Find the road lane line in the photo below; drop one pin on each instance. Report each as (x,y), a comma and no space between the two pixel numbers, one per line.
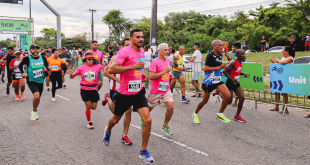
(62,97)
(175,142)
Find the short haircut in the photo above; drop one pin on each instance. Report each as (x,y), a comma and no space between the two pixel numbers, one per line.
(161,45)
(10,48)
(125,39)
(54,50)
(290,51)
(239,51)
(172,50)
(146,48)
(119,44)
(181,47)
(94,42)
(237,45)
(197,44)
(133,31)
(110,47)
(63,48)
(215,42)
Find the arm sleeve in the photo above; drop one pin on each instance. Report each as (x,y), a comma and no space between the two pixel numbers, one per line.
(25,61)
(209,60)
(12,62)
(153,67)
(46,64)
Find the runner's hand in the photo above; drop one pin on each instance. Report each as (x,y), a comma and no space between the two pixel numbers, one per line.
(138,65)
(235,81)
(167,69)
(69,71)
(50,67)
(246,75)
(223,66)
(25,75)
(118,80)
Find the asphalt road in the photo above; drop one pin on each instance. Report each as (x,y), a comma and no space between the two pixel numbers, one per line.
(60,135)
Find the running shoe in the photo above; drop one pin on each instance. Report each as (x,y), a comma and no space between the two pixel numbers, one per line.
(53,99)
(90,125)
(166,129)
(239,119)
(23,96)
(196,118)
(146,156)
(141,123)
(106,137)
(105,99)
(34,116)
(64,86)
(7,91)
(185,100)
(17,98)
(222,118)
(2,80)
(48,90)
(126,140)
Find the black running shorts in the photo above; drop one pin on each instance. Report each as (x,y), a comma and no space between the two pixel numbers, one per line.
(35,87)
(90,95)
(232,86)
(210,88)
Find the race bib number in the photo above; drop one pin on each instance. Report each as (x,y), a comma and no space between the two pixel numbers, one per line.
(237,78)
(89,76)
(18,76)
(216,79)
(134,86)
(37,73)
(163,86)
(54,67)
(64,59)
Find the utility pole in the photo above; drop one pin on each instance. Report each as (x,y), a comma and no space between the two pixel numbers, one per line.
(29,8)
(153,38)
(92,23)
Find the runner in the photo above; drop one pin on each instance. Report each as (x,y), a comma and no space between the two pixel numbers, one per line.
(109,97)
(99,57)
(2,68)
(160,87)
(233,72)
(89,88)
(177,73)
(79,57)
(129,64)
(212,81)
(55,62)
(35,76)
(47,76)
(67,58)
(17,77)
(9,57)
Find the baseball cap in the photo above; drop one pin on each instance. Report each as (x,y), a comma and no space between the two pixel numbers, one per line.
(34,45)
(47,51)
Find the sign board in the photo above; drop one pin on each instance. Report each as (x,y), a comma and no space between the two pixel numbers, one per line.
(12,1)
(25,41)
(290,79)
(16,25)
(255,80)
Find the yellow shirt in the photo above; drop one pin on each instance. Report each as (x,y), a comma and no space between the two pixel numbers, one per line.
(180,63)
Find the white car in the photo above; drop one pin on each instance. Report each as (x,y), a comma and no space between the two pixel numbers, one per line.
(276,49)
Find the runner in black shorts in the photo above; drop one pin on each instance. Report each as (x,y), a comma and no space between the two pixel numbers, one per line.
(9,57)
(233,72)
(212,80)
(66,57)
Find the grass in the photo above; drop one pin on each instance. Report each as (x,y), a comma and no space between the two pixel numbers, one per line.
(263,58)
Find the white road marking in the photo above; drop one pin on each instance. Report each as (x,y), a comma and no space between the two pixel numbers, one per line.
(62,97)
(175,142)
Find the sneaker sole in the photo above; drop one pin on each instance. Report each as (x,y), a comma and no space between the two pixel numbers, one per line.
(125,142)
(222,120)
(32,120)
(145,160)
(194,120)
(239,121)
(166,132)
(185,101)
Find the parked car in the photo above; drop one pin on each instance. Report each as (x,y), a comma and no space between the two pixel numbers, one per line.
(302,60)
(276,49)
(186,63)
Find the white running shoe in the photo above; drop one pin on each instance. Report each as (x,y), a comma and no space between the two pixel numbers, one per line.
(53,99)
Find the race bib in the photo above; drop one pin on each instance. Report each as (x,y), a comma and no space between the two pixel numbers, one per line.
(54,67)
(216,79)
(134,86)
(18,76)
(64,59)
(163,86)
(89,76)
(37,73)
(237,78)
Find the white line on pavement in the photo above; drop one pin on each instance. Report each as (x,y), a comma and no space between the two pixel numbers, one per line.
(62,97)
(175,142)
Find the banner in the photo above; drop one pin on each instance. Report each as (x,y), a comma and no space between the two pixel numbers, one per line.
(255,80)
(25,41)
(12,25)
(290,79)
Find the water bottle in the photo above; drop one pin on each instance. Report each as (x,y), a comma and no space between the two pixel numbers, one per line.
(140,60)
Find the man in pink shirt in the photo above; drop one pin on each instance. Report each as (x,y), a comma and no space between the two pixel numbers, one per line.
(160,87)
(99,57)
(129,63)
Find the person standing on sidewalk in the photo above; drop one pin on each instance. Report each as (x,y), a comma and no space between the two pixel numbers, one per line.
(196,59)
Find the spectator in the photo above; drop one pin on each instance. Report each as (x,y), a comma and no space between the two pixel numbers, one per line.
(226,46)
(288,58)
(267,46)
(243,44)
(292,43)
(110,55)
(196,68)
(263,44)
(307,43)
(147,62)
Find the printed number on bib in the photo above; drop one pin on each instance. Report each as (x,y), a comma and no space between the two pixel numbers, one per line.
(216,79)
(18,76)
(134,86)
(163,86)
(54,67)
(37,73)
(89,76)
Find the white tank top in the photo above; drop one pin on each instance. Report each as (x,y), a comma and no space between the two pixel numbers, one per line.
(16,63)
(114,84)
(283,58)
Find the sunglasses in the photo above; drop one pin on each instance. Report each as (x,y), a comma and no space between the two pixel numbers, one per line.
(90,59)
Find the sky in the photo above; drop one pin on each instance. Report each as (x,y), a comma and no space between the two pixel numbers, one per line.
(76,17)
